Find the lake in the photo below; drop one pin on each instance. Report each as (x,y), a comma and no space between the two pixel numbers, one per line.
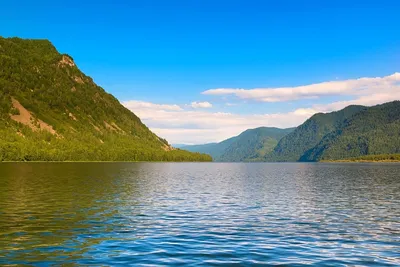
(200,214)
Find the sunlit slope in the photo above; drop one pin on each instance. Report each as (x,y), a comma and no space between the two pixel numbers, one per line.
(50,110)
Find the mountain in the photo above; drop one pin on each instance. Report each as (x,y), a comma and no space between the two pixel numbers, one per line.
(251,145)
(372,131)
(309,134)
(50,110)
(215,150)
(178,145)
(352,132)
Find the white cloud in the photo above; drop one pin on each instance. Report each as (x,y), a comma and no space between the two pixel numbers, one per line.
(201,105)
(198,126)
(355,87)
(138,105)
(368,100)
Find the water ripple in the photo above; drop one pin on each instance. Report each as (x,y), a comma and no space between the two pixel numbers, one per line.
(205,214)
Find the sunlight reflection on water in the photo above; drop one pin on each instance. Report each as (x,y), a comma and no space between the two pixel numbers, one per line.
(199,213)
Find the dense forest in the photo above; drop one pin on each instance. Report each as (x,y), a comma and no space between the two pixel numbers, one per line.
(251,145)
(51,111)
(373,131)
(309,134)
(352,132)
(371,158)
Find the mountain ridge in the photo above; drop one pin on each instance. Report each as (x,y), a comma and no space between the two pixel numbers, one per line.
(352,132)
(250,145)
(309,134)
(50,110)
(372,131)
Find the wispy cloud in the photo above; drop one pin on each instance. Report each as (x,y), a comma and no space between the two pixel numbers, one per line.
(230,104)
(201,105)
(193,126)
(356,87)
(139,105)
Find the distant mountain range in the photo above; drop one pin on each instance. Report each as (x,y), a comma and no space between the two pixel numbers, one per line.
(351,132)
(251,145)
(50,110)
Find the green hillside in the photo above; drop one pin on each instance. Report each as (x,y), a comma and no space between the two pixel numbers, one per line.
(305,137)
(50,110)
(370,158)
(350,133)
(254,144)
(373,131)
(251,145)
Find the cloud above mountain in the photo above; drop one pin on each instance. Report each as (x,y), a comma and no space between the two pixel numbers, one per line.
(191,124)
(137,105)
(354,87)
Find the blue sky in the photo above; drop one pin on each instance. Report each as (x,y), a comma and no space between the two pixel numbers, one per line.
(158,57)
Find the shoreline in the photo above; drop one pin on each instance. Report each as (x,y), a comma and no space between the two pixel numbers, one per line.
(359,161)
(105,162)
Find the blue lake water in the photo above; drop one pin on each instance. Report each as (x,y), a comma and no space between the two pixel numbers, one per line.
(200,214)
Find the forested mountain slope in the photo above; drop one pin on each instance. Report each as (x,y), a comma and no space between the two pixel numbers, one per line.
(215,150)
(254,144)
(305,137)
(352,132)
(50,110)
(372,131)
(251,145)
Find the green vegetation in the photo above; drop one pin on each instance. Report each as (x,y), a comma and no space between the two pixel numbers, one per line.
(51,111)
(371,158)
(372,131)
(215,150)
(348,134)
(251,145)
(293,146)
(254,144)
(352,132)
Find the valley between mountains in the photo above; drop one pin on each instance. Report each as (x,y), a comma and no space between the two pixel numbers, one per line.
(51,111)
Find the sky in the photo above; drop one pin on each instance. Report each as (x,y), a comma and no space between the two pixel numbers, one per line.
(199,71)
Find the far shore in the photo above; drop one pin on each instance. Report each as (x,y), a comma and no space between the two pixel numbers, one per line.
(359,161)
(105,161)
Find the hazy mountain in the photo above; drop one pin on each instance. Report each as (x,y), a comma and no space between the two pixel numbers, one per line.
(251,145)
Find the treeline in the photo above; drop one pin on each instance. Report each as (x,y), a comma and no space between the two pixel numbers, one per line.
(374,158)
(43,146)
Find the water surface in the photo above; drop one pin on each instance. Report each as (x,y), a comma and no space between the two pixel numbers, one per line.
(199,214)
